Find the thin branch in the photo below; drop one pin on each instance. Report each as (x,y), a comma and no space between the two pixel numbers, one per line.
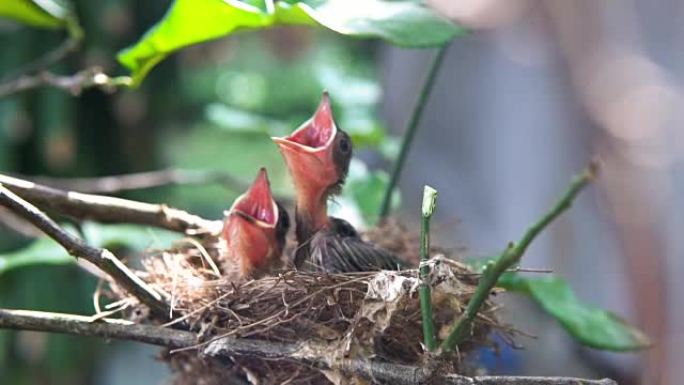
(510,257)
(322,357)
(306,353)
(102,258)
(428,208)
(411,130)
(74,84)
(85,326)
(109,209)
(142,180)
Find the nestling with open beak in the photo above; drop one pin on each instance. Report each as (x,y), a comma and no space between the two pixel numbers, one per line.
(254,230)
(318,155)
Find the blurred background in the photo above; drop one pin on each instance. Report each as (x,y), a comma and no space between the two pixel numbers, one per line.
(519,106)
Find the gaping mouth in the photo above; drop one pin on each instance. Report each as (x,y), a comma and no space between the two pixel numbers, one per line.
(257,204)
(316,133)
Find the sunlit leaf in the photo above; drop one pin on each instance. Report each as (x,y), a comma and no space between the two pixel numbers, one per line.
(589,325)
(37,13)
(187,22)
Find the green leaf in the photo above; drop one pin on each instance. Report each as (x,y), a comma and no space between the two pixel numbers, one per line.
(47,251)
(589,325)
(365,189)
(130,236)
(41,252)
(187,22)
(38,13)
(403,23)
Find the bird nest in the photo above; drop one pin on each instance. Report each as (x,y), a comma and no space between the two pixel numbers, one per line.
(370,315)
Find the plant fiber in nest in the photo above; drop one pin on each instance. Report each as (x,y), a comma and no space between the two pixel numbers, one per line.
(355,315)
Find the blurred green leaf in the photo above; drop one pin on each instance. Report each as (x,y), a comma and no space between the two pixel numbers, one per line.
(42,251)
(589,325)
(241,121)
(364,190)
(47,251)
(404,23)
(130,236)
(38,13)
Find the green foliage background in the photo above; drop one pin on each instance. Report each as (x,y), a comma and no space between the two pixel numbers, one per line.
(212,106)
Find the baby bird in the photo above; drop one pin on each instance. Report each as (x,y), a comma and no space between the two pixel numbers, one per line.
(254,230)
(317,156)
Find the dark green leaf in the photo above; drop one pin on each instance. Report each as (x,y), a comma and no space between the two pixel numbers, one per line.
(591,326)
(37,13)
(404,23)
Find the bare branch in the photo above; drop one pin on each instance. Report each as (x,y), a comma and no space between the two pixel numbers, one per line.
(85,326)
(102,258)
(322,357)
(142,180)
(109,209)
(305,353)
(74,84)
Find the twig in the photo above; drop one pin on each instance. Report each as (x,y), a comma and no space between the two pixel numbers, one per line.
(109,209)
(306,353)
(510,257)
(102,258)
(84,326)
(142,180)
(74,84)
(411,129)
(428,208)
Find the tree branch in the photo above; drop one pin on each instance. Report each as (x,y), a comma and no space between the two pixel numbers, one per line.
(74,84)
(102,258)
(109,209)
(306,353)
(510,257)
(85,326)
(142,180)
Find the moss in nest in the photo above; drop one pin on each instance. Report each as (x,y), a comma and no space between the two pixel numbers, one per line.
(373,314)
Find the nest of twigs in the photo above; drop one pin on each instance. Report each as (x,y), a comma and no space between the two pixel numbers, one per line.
(371,315)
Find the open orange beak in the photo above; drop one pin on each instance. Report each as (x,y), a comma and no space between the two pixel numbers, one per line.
(308,151)
(250,226)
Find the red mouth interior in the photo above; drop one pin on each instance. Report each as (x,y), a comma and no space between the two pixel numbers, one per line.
(258,201)
(318,131)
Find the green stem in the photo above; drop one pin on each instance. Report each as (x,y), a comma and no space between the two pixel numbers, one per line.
(411,130)
(510,257)
(429,201)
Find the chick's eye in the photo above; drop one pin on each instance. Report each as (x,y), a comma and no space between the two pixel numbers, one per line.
(345,145)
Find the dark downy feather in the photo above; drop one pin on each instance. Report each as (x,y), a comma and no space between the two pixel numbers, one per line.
(340,249)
